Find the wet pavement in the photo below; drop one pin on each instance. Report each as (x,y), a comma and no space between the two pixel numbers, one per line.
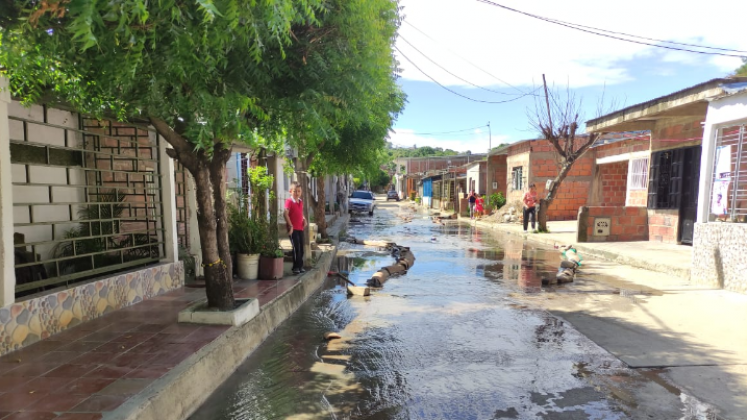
(457,337)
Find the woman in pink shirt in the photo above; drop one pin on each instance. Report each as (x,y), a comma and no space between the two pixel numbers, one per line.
(530,202)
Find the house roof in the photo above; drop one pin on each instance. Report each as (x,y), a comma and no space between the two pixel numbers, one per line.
(690,102)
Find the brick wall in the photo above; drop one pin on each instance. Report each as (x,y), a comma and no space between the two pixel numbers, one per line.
(626,224)
(679,132)
(626,146)
(574,190)
(663,225)
(638,198)
(613,183)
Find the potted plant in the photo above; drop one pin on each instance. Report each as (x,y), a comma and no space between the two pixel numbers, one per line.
(245,238)
(271,257)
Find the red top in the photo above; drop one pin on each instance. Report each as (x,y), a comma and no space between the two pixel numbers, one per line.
(530,199)
(295,212)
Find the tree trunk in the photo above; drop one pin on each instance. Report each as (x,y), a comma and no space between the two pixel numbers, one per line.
(550,196)
(217,280)
(218,181)
(319,209)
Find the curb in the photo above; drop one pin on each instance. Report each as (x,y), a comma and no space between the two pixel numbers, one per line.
(185,388)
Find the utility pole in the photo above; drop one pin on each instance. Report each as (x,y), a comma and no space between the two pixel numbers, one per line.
(490,140)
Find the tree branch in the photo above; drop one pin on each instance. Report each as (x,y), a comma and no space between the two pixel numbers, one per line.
(182,150)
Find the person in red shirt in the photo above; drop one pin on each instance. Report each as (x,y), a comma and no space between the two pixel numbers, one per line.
(530,203)
(295,223)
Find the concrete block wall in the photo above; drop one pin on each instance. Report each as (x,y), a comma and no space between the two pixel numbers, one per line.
(719,251)
(626,224)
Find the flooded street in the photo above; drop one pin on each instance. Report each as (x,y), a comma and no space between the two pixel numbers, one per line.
(456,337)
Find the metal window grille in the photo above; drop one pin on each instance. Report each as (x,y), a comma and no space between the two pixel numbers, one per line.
(182,205)
(638,174)
(728,201)
(87,200)
(517,179)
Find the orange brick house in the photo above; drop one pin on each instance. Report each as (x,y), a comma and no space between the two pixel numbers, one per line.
(536,161)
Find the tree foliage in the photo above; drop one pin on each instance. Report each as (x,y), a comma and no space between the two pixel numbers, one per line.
(207,74)
(742,70)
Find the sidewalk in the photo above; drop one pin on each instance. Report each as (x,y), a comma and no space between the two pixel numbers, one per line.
(117,364)
(654,256)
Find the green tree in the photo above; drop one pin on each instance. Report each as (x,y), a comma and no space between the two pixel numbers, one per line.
(742,71)
(205,74)
(354,64)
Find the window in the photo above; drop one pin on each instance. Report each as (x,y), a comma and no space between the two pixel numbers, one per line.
(638,174)
(728,201)
(517,180)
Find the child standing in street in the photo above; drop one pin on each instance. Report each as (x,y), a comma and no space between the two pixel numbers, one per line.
(295,223)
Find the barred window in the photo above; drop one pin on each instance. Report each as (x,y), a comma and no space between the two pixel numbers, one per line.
(638,174)
(517,180)
(728,200)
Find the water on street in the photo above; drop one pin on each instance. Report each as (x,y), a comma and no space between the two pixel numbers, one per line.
(453,338)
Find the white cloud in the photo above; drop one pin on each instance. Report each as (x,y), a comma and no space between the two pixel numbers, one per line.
(476,141)
(518,49)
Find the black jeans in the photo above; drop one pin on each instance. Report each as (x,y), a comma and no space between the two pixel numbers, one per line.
(529,211)
(297,242)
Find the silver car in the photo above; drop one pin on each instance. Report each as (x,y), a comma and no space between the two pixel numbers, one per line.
(362,202)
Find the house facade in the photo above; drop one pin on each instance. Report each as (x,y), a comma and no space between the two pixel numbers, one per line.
(676,123)
(535,162)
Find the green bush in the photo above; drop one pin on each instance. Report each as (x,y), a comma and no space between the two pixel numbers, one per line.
(497,200)
(413,194)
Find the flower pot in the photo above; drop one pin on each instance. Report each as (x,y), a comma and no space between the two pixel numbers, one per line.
(270,268)
(248,266)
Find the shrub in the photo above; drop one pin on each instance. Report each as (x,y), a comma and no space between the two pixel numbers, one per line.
(497,200)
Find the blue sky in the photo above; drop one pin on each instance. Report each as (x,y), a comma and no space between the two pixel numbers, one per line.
(481,44)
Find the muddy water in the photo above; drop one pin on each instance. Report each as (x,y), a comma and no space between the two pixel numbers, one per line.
(448,340)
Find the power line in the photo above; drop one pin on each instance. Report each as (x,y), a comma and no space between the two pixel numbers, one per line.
(609,34)
(466,60)
(454,92)
(447,71)
(449,132)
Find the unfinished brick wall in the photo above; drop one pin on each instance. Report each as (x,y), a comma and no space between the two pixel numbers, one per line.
(574,190)
(613,179)
(679,132)
(626,224)
(663,225)
(638,198)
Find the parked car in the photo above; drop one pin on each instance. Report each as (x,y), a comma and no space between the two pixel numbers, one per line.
(392,195)
(361,202)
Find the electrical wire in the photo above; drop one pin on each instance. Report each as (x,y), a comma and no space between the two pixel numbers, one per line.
(447,71)
(609,34)
(455,92)
(463,58)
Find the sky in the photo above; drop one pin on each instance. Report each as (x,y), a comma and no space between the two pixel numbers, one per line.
(490,54)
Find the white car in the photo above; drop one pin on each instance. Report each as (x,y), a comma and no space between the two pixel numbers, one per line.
(362,202)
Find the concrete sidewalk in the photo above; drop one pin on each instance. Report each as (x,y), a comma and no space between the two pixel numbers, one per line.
(634,299)
(654,256)
(139,362)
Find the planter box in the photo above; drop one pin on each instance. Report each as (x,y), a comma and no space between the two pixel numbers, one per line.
(198,313)
(270,268)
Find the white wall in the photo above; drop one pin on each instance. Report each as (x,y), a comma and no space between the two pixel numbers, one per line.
(45,175)
(473,174)
(7,260)
(722,112)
